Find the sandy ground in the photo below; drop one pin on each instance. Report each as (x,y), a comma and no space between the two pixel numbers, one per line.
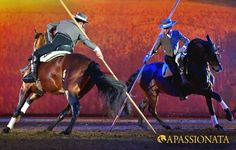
(93,133)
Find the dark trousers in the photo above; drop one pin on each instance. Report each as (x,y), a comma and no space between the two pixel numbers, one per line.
(172,64)
(60,39)
(170,61)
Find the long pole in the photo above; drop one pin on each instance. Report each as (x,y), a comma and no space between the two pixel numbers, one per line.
(130,99)
(141,70)
(125,101)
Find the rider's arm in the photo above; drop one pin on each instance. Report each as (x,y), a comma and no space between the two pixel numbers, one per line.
(91,45)
(157,45)
(184,39)
(87,42)
(50,28)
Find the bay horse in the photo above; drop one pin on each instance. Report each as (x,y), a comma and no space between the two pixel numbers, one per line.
(200,55)
(72,75)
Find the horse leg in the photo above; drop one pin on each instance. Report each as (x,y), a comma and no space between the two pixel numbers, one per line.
(29,101)
(67,109)
(228,113)
(210,93)
(59,118)
(75,109)
(153,97)
(142,107)
(152,110)
(23,109)
(214,120)
(24,93)
(234,111)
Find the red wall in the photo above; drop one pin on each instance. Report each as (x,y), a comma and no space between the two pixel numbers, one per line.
(125,31)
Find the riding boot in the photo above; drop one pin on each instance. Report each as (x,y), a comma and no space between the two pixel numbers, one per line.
(184,83)
(184,80)
(32,76)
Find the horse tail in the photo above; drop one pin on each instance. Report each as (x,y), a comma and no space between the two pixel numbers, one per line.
(128,109)
(112,90)
(131,80)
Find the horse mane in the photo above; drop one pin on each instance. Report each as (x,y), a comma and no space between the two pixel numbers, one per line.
(198,42)
(197,49)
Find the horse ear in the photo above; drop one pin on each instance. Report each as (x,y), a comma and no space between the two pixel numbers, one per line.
(35,32)
(208,38)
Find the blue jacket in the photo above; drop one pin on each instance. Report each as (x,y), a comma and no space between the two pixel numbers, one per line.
(170,43)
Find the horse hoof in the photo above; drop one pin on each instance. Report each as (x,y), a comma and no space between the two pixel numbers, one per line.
(6,130)
(141,125)
(229,115)
(65,132)
(219,127)
(167,127)
(49,129)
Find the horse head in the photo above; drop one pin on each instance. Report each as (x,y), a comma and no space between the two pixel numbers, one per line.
(213,55)
(39,39)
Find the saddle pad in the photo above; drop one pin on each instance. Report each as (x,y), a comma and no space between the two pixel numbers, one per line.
(166,71)
(52,55)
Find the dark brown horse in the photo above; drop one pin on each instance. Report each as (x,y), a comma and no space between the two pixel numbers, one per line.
(201,55)
(72,75)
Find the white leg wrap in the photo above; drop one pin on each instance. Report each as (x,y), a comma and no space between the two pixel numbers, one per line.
(223,105)
(25,107)
(11,123)
(214,120)
(67,94)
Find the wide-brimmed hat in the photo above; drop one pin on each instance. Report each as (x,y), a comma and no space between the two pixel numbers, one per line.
(81,17)
(167,23)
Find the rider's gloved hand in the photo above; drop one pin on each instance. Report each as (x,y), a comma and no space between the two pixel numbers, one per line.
(182,49)
(98,52)
(147,57)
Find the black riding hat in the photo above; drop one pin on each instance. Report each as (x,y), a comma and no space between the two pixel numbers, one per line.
(81,17)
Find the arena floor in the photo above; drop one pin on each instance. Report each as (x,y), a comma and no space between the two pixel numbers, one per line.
(93,133)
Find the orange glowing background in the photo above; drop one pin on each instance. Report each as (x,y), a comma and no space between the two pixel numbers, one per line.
(125,31)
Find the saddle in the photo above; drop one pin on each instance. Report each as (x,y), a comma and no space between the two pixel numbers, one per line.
(166,72)
(48,57)
(60,51)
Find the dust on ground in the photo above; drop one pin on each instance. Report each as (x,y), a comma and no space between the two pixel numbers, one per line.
(94,133)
